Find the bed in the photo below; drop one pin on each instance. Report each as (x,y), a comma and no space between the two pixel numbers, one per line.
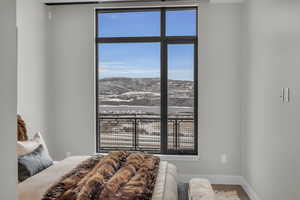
(36,186)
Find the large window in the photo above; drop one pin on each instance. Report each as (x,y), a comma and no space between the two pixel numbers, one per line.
(146,80)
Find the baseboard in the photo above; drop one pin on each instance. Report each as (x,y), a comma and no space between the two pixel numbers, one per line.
(225,180)
(249,189)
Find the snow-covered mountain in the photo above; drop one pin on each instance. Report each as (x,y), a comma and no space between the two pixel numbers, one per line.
(144,92)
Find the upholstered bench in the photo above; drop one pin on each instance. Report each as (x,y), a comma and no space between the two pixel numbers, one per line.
(200,189)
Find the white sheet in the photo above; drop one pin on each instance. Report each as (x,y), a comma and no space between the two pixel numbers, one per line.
(36,186)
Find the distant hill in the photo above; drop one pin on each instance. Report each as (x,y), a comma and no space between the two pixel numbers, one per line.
(144,92)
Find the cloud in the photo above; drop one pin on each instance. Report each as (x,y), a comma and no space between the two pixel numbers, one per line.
(119,69)
(112,63)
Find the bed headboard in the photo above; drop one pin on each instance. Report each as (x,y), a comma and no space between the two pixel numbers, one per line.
(22,131)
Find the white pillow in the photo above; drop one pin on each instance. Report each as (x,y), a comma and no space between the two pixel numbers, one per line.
(26,147)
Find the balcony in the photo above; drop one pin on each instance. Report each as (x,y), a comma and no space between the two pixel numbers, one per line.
(142,133)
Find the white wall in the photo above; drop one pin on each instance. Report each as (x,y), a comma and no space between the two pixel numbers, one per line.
(71,87)
(8,99)
(32,93)
(270,128)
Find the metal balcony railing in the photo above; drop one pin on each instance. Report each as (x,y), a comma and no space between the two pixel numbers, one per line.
(142,133)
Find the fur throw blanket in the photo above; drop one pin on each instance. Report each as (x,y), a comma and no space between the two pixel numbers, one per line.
(117,176)
(21,130)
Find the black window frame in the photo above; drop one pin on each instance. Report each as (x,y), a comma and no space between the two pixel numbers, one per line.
(164,40)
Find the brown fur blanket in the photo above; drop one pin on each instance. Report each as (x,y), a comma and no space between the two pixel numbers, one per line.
(117,176)
(21,130)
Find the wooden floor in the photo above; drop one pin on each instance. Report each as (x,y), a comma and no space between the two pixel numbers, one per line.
(242,194)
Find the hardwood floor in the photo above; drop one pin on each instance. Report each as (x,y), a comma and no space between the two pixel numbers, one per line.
(242,194)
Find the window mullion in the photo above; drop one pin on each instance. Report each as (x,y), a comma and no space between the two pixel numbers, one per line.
(196,97)
(127,39)
(164,85)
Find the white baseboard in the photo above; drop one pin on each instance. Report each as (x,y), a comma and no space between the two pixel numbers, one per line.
(249,189)
(225,180)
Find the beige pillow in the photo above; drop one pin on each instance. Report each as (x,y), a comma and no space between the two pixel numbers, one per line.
(26,147)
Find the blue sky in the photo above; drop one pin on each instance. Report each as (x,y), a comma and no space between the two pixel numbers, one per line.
(142,60)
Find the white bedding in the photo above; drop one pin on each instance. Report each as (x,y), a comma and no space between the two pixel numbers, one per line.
(36,186)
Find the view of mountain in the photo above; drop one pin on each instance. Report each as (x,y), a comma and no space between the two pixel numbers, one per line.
(133,104)
(144,92)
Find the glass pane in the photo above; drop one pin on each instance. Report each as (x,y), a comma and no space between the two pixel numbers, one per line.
(129,24)
(181,96)
(129,95)
(181,23)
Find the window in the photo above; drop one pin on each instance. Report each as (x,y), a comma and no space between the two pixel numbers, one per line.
(181,23)
(140,24)
(146,80)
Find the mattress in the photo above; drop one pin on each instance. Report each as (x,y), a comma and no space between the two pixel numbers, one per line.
(36,186)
